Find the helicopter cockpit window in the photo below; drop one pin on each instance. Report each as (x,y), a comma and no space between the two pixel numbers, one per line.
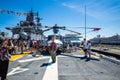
(57,37)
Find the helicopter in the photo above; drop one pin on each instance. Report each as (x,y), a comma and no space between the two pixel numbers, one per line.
(58,39)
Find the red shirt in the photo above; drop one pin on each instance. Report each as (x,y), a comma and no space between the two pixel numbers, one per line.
(53,46)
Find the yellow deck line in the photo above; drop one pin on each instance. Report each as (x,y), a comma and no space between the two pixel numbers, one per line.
(17,56)
(81,50)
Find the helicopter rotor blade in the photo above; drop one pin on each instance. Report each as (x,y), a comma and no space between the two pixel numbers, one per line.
(42,31)
(47,29)
(8,28)
(84,27)
(71,31)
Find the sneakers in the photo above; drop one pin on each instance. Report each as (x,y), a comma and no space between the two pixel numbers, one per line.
(53,61)
(33,55)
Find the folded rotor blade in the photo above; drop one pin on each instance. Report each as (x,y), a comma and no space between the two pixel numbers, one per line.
(71,31)
(41,31)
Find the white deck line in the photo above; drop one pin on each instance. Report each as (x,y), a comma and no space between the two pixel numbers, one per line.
(33,59)
(51,72)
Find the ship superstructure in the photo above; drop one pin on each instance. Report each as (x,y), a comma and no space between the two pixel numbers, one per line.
(27,29)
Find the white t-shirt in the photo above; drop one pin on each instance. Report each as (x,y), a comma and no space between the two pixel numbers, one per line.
(85,46)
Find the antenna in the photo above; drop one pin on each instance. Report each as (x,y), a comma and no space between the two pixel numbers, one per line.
(85,21)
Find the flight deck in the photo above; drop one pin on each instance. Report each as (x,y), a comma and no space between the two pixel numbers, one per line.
(69,66)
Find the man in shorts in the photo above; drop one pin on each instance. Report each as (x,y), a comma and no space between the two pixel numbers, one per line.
(85,47)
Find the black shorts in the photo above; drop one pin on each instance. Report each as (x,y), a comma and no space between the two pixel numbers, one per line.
(85,50)
(31,45)
(25,45)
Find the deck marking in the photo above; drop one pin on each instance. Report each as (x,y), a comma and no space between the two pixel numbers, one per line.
(51,72)
(17,70)
(33,59)
(15,57)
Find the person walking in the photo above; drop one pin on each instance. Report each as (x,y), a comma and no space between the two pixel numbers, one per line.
(4,58)
(21,44)
(36,47)
(53,49)
(89,48)
(85,47)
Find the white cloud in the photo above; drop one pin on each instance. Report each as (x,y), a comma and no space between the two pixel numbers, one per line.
(100,10)
(69,6)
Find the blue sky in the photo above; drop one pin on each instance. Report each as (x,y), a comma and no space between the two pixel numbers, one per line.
(104,14)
